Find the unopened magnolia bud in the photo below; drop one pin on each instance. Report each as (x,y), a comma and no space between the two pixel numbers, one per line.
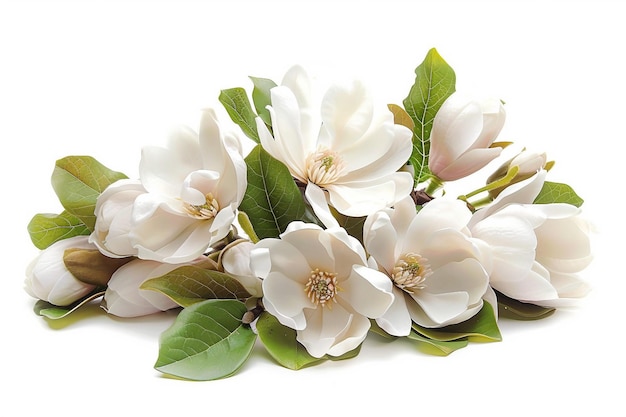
(91,266)
(528,164)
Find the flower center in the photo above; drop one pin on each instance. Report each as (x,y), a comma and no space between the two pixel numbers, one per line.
(208,210)
(410,272)
(322,287)
(324,167)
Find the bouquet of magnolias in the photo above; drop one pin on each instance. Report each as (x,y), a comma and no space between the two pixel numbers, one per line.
(336,223)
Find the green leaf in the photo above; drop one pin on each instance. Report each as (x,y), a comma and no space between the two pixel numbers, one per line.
(207,341)
(437,347)
(554,192)
(78,181)
(272,199)
(54,312)
(434,82)
(190,284)
(483,327)
(514,309)
(280,341)
(45,228)
(262,98)
(237,105)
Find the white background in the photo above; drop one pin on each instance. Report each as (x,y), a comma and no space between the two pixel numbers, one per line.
(106,78)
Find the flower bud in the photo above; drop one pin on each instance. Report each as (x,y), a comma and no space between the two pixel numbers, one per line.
(528,164)
(48,279)
(236,262)
(462,136)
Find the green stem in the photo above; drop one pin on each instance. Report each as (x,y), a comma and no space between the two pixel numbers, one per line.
(510,175)
(433,185)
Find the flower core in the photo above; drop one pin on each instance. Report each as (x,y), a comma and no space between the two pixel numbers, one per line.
(321,287)
(324,167)
(208,210)
(410,272)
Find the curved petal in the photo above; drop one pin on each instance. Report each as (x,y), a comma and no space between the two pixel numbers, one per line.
(316,198)
(323,327)
(435,310)
(396,321)
(346,113)
(468,163)
(494,117)
(287,299)
(441,213)
(368,291)
(380,240)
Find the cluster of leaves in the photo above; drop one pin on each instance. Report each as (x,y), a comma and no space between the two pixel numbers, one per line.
(211,337)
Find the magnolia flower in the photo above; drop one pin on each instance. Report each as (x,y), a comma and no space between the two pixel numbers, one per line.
(236,263)
(114,208)
(432,262)
(318,283)
(347,154)
(463,131)
(535,250)
(48,279)
(528,163)
(124,298)
(193,189)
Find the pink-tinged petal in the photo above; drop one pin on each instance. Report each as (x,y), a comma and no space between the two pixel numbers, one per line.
(380,239)
(317,199)
(346,112)
(368,291)
(494,117)
(396,321)
(455,128)
(288,299)
(163,170)
(468,163)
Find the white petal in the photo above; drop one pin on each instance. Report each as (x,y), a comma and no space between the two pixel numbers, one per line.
(288,299)
(316,197)
(435,310)
(368,291)
(396,321)
(468,163)
(324,327)
(346,113)
(380,239)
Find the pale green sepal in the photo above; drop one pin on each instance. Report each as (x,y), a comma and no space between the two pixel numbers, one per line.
(434,82)
(554,192)
(188,285)
(246,226)
(272,199)
(54,312)
(207,341)
(280,342)
(46,228)
(237,105)
(78,181)
(437,347)
(517,310)
(262,98)
(483,327)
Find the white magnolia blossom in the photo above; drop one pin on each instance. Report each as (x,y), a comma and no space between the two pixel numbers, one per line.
(114,209)
(463,131)
(535,250)
(346,152)
(317,282)
(236,262)
(193,188)
(431,260)
(48,279)
(124,298)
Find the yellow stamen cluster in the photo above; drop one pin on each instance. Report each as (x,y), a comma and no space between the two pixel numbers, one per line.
(324,167)
(410,272)
(321,287)
(208,210)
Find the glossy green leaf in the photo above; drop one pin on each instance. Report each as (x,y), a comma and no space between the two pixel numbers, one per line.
(437,347)
(188,285)
(553,192)
(262,98)
(207,341)
(45,228)
(54,312)
(237,105)
(280,341)
(272,199)
(514,309)
(483,327)
(434,82)
(78,181)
